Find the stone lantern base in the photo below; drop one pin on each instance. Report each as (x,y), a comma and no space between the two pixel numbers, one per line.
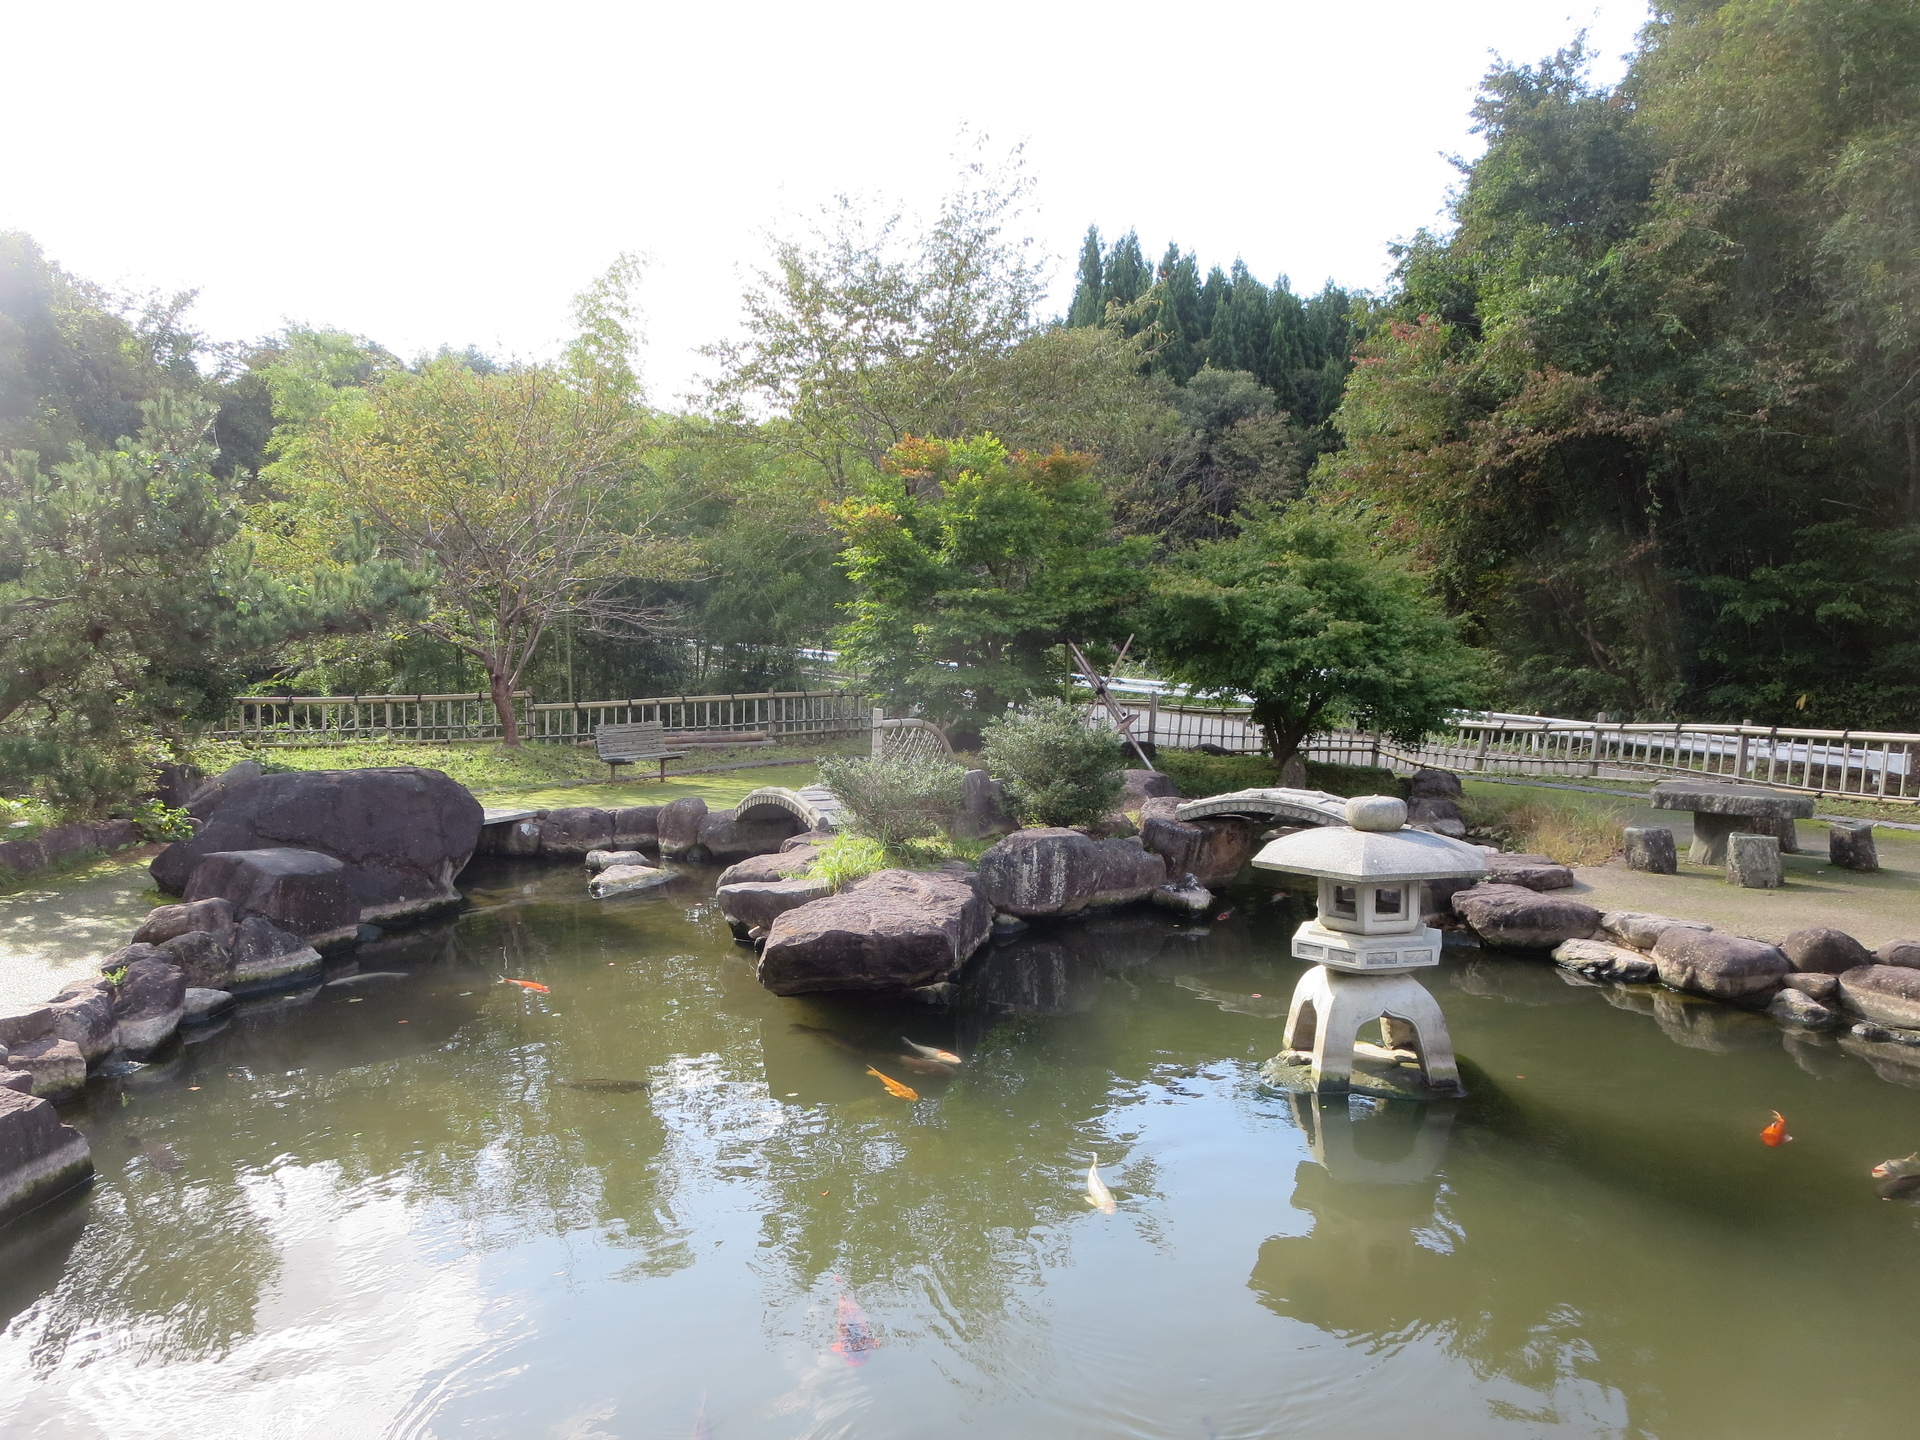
(1330,1007)
(1368,954)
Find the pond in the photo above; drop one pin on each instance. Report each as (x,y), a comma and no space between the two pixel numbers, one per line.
(658,1201)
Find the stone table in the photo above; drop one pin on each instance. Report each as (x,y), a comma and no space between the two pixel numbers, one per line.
(1721,807)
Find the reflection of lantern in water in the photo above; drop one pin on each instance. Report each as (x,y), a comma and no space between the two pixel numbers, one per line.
(1367,936)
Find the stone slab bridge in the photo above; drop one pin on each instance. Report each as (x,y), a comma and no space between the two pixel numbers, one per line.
(815,806)
(1290,807)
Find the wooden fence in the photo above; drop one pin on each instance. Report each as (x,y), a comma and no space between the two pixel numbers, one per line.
(714,719)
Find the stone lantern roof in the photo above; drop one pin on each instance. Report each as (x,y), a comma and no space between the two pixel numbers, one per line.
(1376,847)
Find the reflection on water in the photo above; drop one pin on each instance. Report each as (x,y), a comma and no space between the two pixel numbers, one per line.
(438,1205)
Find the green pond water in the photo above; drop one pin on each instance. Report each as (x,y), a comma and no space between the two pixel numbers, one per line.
(391,1208)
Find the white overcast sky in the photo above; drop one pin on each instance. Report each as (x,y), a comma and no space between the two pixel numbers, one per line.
(428,173)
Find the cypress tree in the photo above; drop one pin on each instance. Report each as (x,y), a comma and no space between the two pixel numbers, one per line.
(1179,316)
(1127,276)
(1089,305)
(1212,295)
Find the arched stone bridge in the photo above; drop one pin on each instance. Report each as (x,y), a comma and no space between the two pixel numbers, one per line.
(815,806)
(1294,807)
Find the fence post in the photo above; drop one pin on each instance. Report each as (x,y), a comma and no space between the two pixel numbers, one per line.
(878,716)
(1593,755)
(1153,717)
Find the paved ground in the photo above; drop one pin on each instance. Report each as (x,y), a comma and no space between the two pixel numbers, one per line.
(61,928)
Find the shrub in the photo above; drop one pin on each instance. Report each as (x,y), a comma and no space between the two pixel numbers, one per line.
(1056,769)
(1572,832)
(896,799)
(157,821)
(847,858)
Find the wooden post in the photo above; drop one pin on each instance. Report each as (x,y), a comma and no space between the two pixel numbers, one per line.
(1740,758)
(1153,719)
(878,716)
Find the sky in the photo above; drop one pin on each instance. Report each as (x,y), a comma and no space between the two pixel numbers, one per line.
(452,173)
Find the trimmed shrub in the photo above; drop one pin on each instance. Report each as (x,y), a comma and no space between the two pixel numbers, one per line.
(1056,769)
(896,799)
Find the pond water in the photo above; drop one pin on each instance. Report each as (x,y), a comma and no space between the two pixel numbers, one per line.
(398,1207)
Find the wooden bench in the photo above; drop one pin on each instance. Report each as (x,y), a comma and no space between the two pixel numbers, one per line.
(623,744)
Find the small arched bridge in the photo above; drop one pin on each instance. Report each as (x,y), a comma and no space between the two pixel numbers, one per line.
(1292,807)
(815,806)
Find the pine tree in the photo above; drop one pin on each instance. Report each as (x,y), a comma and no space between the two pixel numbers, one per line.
(1127,276)
(1089,305)
(1212,295)
(1178,316)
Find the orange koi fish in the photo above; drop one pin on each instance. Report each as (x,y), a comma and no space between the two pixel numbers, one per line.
(1776,1133)
(894,1087)
(927,1052)
(533,985)
(856,1332)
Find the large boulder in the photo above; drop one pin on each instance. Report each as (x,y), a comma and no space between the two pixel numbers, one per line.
(304,891)
(1513,917)
(39,1156)
(403,832)
(1830,952)
(1726,967)
(678,826)
(32,1022)
(636,827)
(569,833)
(750,905)
(983,807)
(148,1001)
(1212,851)
(725,837)
(626,879)
(1602,960)
(1426,784)
(266,957)
(215,916)
(1904,953)
(1438,814)
(55,1068)
(1053,871)
(1140,786)
(205,958)
(891,931)
(1883,994)
(83,1013)
(1536,872)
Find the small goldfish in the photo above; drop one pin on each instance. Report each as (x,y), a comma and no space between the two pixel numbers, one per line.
(1776,1133)
(1098,1195)
(894,1087)
(533,985)
(927,1052)
(856,1331)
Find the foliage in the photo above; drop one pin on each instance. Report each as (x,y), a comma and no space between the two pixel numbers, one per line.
(157,821)
(1570,830)
(847,858)
(897,798)
(1057,769)
(1651,413)
(1300,612)
(971,567)
(503,488)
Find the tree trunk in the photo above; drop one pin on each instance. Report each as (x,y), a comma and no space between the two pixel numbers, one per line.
(502,686)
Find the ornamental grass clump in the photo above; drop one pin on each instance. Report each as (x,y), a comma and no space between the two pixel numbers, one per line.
(1056,769)
(896,799)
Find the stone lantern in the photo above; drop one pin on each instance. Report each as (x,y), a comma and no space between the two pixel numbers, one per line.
(1367,936)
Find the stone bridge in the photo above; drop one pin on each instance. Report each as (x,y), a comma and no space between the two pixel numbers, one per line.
(1292,807)
(815,806)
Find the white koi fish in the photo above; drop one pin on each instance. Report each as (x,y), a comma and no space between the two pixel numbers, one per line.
(1098,1195)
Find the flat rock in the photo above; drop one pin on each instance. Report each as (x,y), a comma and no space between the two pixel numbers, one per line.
(213,916)
(1884,994)
(1514,917)
(403,832)
(148,1002)
(1600,960)
(206,958)
(1796,1007)
(1820,985)
(199,1004)
(602,859)
(1643,931)
(752,904)
(1185,896)
(784,864)
(1726,967)
(1903,953)
(627,879)
(1831,952)
(1536,872)
(891,931)
(55,1068)
(305,891)
(1051,871)
(266,957)
(39,1156)
(31,1022)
